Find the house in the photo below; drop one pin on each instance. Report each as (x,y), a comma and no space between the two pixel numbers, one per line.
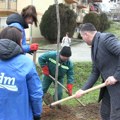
(81,8)
(115,10)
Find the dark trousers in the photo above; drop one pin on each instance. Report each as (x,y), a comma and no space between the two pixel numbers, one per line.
(110,110)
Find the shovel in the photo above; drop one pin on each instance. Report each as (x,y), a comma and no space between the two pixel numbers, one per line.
(65,89)
(73,96)
(48,98)
(34,56)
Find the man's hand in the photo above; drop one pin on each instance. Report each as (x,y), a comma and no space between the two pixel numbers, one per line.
(69,88)
(110,80)
(45,70)
(37,118)
(34,47)
(79,93)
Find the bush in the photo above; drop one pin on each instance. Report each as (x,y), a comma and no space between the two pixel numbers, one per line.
(99,21)
(104,23)
(93,18)
(48,25)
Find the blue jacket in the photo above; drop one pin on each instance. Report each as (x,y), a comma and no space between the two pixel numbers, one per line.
(17,21)
(20,86)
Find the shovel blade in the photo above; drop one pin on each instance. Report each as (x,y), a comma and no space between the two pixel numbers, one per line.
(48,98)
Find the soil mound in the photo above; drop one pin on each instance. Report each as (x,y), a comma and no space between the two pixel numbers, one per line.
(89,112)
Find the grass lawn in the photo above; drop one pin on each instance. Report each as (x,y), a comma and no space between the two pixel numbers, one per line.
(82,71)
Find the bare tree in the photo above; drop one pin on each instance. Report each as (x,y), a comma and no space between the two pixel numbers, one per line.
(58,42)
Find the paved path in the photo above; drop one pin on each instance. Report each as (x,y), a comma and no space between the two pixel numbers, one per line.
(80,52)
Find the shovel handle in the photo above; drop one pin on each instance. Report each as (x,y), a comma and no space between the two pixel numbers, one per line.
(94,88)
(84,92)
(58,82)
(66,89)
(34,56)
(62,100)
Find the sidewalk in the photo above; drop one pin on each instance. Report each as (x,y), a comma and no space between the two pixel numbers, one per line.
(80,52)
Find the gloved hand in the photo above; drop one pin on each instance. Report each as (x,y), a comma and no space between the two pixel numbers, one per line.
(69,88)
(37,118)
(34,47)
(45,70)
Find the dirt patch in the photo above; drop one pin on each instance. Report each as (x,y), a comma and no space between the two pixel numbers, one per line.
(89,112)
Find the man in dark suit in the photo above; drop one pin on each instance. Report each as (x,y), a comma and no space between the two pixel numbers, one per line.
(105,53)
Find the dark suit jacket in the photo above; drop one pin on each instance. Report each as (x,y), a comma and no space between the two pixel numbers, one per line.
(105,53)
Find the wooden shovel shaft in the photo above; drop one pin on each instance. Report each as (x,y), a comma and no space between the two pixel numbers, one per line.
(94,88)
(34,57)
(73,96)
(62,100)
(58,83)
(66,89)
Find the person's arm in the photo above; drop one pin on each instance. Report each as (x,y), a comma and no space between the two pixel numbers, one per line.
(69,41)
(70,78)
(25,46)
(92,78)
(70,74)
(35,92)
(113,46)
(28,48)
(44,59)
(43,62)
(62,43)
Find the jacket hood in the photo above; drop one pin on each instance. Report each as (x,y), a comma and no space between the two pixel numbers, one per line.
(9,49)
(16,18)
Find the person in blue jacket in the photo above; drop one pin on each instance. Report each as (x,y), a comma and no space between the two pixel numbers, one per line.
(21,21)
(47,62)
(20,86)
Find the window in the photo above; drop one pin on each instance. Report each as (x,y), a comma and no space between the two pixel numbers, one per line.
(3,22)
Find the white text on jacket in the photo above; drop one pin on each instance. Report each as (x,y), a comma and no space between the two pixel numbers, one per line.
(7,82)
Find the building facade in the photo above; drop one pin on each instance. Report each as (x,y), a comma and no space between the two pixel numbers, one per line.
(8,7)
